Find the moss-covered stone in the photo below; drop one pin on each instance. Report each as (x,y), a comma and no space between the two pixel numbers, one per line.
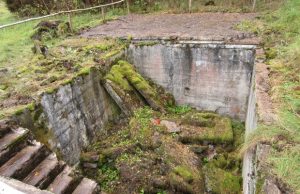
(185,173)
(179,184)
(131,87)
(89,157)
(221,181)
(123,74)
(201,119)
(210,127)
(84,71)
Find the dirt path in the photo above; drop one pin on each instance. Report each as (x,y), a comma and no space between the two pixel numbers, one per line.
(200,26)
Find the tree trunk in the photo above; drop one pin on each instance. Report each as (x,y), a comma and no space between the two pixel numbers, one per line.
(253,5)
(190,6)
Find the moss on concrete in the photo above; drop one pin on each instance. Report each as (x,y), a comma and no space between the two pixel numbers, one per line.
(84,71)
(220,181)
(201,119)
(63,62)
(210,127)
(132,88)
(123,74)
(146,43)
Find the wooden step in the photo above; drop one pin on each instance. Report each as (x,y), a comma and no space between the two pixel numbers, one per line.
(11,138)
(24,161)
(63,183)
(11,143)
(86,186)
(45,172)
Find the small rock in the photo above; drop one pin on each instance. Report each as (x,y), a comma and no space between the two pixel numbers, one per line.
(198,149)
(89,157)
(262,152)
(159,183)
(171,126)
(3,71)
(4,124)
(270,187)
(211,152)
(90,165)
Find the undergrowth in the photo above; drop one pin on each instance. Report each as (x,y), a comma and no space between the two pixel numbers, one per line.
(179,6)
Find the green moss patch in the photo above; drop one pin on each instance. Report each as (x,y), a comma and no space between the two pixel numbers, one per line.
(210,127)
(185,173)
(221,181)
(123,74)
(62,63)
(133,89)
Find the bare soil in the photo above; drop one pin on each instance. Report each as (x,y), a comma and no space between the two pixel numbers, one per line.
(199,26)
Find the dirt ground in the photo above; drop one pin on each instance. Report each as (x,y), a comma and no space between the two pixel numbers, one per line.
(199,26)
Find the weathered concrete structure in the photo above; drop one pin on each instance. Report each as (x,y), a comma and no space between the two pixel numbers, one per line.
(75,112)
(207,76)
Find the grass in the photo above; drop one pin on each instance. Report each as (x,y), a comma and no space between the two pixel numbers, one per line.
(5,16)
(280,32)
(16,43)
(180,6)
(286,165)
(179,109)
(22,68)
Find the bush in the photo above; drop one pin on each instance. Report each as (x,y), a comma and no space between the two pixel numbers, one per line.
(43,7)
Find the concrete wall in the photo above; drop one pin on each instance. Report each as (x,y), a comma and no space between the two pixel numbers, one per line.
(249,164)
(75,113)
(207,76)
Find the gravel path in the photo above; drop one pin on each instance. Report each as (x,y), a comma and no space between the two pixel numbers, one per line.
(200,26)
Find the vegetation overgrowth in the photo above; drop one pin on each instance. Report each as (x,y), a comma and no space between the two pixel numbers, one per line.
(25,74)
(151,159)
(280,33)
(37,7)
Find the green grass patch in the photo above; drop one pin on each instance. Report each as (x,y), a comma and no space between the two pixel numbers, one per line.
(29,74)
(179,109)
(286,165)
(107,175)
(5,15)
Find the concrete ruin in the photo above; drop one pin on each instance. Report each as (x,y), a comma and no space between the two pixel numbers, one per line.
(206,75)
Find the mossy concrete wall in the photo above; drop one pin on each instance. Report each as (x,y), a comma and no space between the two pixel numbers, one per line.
(75,112)
(207,76)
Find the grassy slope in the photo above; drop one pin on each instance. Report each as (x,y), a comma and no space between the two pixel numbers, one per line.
(16,54)
(15,41)
(280,32)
